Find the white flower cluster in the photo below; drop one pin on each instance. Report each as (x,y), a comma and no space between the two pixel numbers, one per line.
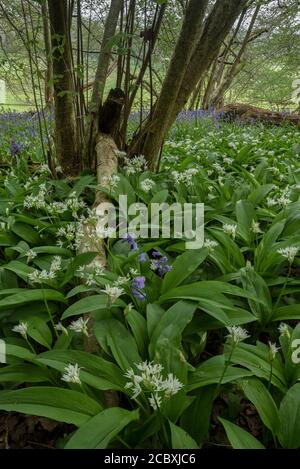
(230,230)
(284,330)
(67,232)
(71,374)
(38,200)
(32,182)
(147,185)
(210,244)
(90,273)
(80,325)
(44,168)
(21,328)
(110,182)
(112,292)
(219,169)
(273,350)
(255,227)
(149,380)
(289,253)
(30,255)
(121,281)
(59,327)
(237,334)
(38,276)
(86,230)
(135,165)
(73,203)
(185,177)
(282,200)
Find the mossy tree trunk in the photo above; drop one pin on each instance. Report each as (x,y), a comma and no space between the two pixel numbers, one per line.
(65,118)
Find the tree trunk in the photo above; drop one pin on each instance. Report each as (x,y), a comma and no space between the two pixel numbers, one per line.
(107,166)
(65,119)
(218,96)
(217,26)
(193,55)
(100,80)
(49,91)
(210,84)
(151,139)
(216,79)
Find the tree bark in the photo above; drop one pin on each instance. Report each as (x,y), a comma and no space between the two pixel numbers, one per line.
(218,96)
(49,91)
(65,119)
(217,26)
(153,134)
(100,80)
(194,54)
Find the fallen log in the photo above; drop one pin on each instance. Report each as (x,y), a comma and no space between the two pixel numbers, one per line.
(245,113)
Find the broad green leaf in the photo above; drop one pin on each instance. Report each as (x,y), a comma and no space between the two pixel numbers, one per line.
(101,429)
(138,326)
(255,285)
(26,232)
(284,313)
(205,289)
(19,268)
(245,214)
(211,371)
(23,373)
(113,336)
(29,296)
(108,375)
(55,250)
(154,315)
(256,359)
(172,324)
(258,195)
(196,419)
(39,331)
(289,417)
(239,438)
(183,267)
(58,404)
(265,248)
(19,352)
(264,403)
(181,439)
(88,304)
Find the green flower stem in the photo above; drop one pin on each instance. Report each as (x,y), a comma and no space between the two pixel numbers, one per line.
(30,346)
(282,292)
(48,311)
(271,375)
(227,363)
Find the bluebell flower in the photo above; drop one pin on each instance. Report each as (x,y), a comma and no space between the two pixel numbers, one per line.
(15,148)
(143,257)
(156,254)
(130,238)
(160,265)
(138,283)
